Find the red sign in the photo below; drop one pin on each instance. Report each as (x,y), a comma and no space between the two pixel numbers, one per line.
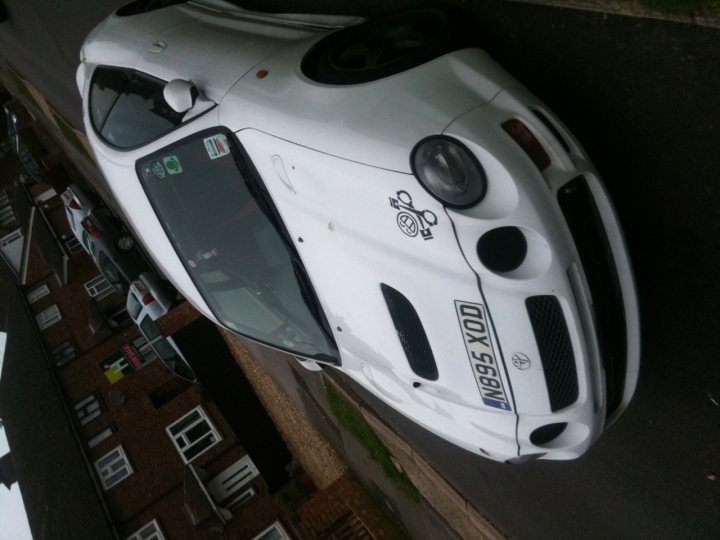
(132,355)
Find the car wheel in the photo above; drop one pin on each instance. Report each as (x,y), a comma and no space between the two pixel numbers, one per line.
(386,45)
(125,243)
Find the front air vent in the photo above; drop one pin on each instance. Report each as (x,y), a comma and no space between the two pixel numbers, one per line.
(556,353)
(552,128)
(413,339)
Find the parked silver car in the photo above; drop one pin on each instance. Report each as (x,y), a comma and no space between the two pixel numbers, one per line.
(104,237)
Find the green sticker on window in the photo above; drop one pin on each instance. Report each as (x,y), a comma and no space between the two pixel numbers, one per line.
(172,165)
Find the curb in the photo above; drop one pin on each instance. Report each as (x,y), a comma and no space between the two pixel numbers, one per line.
(631,8)
(460,514)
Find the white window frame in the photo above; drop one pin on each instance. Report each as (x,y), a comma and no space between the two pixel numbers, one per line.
(11,237)
(44,196)
(275,527)
(46,318)
(37,293)
(7,212)
(73,245)
(181,440)
(118,464)
(98,288)
(88,409)
(93,441)
(64,353)
(7,216)
(149,531)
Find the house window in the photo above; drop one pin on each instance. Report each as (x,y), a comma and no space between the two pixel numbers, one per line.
(113,467)
(99,288)
(100,437)
(273,532)
(63,353)
(88,409)
(7,214)
(193,434)
(9,238)
(73,245)
(151,531)
(36,294)
(45,319)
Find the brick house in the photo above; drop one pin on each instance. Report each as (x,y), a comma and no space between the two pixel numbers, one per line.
(143,453)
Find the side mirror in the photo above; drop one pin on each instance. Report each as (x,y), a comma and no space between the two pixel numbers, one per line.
(180,95)
(80,75)
(308,364)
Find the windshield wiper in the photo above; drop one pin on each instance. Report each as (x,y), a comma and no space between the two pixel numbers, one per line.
(308,295)
(264,201)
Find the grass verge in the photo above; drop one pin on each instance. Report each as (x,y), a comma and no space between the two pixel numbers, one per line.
(70,135)
(20,84)
(351,419)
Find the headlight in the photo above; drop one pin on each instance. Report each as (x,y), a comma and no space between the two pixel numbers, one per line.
(449,172)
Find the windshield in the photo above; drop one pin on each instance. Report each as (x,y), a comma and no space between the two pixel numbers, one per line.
(224,230)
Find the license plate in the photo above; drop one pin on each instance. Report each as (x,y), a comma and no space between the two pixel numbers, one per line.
(476,333)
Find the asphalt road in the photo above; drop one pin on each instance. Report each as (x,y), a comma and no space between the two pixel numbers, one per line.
(644,97)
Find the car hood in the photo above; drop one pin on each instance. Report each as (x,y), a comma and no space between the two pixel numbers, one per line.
(376,123)
(344,219)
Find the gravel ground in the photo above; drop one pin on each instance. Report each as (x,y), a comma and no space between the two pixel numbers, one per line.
(312,451)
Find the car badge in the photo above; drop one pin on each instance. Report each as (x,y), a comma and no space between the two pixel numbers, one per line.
(520,361)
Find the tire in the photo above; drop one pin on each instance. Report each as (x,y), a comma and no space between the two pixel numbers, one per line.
(125,243)
(384,46)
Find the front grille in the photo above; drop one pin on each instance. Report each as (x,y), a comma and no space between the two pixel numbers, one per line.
(588,231)
(410,331)
(556,354)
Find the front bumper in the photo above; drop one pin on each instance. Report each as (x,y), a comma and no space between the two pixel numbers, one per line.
(573,295)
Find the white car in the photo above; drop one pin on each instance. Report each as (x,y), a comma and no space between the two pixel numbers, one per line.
(148,297)
(147,301)
(380,197)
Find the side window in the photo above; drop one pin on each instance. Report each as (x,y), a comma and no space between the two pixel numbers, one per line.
(133,306)
(127,108)
(149,328)
(107,85)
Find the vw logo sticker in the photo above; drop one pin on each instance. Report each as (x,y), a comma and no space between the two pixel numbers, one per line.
(412,220)
(520,361)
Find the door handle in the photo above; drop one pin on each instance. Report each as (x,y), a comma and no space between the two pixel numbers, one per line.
(158,46)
